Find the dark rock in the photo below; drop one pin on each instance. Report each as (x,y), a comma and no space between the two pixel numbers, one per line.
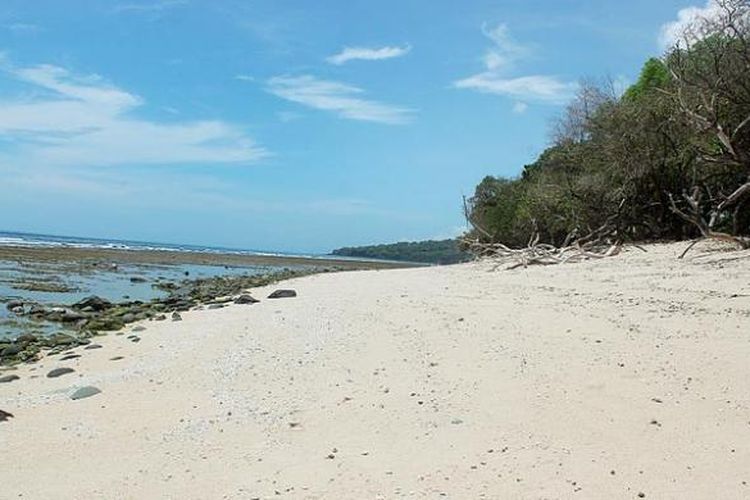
(72,316)
(85,392)
(215,306)
(58,372)
(8,378)
(134,339)
(137,279)
(94,303)
(11,350)
(61,339)
(92,346)
(160,317)
(139,328)
(13,304)
(282,294)
(4,415)
(70,356)
(246,299)
(176,316)
(26,338)
(117,358)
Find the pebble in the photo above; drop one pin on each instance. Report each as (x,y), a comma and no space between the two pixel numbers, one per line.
(8,378)
(57,372)
(283,294)
(85,392)
(93,346)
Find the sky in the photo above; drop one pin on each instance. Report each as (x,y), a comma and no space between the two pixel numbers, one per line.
(288,125)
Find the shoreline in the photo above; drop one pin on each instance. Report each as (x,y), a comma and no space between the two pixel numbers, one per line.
(602,379)
(168,257)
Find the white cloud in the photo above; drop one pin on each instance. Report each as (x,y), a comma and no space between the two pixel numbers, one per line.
(672,32)
(337,97)
(85,121)
(500,59)
(531,88)
(520,107)
(689,26)
(367,54)
(245,78)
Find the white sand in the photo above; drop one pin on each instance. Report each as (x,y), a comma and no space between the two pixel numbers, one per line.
(429,383)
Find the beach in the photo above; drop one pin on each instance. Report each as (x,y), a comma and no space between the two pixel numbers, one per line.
(624,377)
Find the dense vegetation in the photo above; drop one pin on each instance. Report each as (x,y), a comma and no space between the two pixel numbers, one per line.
(668,159)
(431,252)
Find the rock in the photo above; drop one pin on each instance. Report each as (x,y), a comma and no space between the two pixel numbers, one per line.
(283,294)
(13,304)
(61,339)
(246,299)
(17,310)
(215,306)
(26,338)
(134,339)
(93,303)
(85,392)
(11,350)
(92,346)
(139,328)
(58,372)
(71,316)
(117,358)
(70,356)
(8,378)
(176,316)
(160,317)
(128,318)
(4,415)
(137,279)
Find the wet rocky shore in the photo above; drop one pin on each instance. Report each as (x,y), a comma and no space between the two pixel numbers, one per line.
(79,323)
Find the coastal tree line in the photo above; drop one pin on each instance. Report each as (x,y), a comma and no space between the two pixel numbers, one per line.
(667,159)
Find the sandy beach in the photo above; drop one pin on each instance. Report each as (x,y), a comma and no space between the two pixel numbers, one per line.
(626,377)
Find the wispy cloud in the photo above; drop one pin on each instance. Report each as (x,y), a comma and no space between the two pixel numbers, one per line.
(520,107)
(367,54)
(337,97)
(85,121)
(500,60)
(150,7)
(23,28)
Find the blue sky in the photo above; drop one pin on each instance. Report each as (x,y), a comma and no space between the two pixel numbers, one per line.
(290,125)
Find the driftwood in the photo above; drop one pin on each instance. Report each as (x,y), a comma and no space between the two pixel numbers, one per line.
(596,245)
(694,215)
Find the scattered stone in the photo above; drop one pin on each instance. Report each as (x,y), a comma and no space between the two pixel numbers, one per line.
(117,358)
(93,303)
(246,299)
(128,318)
(283,294)
(93,346)
(215,306)
(139,328)
(57,372)
(656,400)
(160,317)
(176,316)
(11,350)
(4,415)
(70,356)
(137,279)
(134,339)
(457,421)
(8,378)
(85,392)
